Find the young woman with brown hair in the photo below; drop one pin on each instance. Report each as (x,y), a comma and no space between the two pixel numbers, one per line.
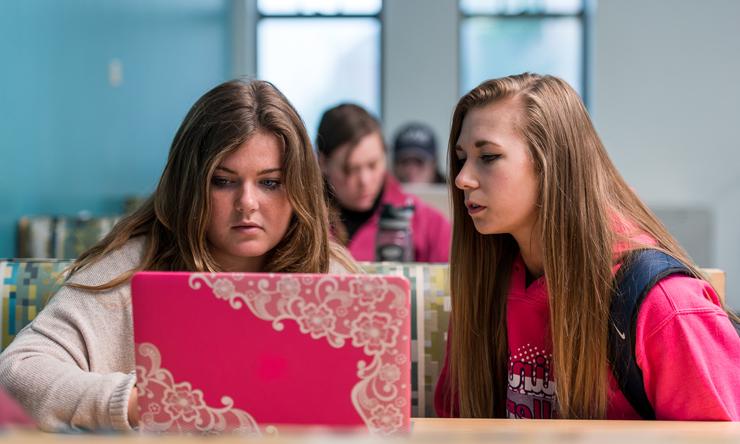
(241,191)
(542,221)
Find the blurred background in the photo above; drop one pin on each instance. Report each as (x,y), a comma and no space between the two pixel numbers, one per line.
(92,91)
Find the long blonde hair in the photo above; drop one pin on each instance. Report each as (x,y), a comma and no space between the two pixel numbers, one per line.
(174,219)
(582,198)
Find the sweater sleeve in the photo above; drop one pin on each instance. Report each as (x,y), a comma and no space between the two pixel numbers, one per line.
(72,368)
(689,352)
(65,367)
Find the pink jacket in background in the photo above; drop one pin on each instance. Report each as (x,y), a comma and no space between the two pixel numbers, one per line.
(430,229)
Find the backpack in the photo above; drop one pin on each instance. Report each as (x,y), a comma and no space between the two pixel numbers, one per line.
(642,270)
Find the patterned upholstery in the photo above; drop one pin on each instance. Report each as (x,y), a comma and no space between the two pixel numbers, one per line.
(431,305)
(26,286)
(60,237)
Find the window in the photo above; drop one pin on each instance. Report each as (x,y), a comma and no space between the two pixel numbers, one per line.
(320,53)
(502,37)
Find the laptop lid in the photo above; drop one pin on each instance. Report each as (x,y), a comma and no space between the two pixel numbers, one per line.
(252,352)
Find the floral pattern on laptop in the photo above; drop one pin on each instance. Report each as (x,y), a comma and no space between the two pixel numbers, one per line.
(367,313)
(178,407)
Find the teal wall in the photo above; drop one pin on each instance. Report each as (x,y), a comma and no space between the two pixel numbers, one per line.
(69,141)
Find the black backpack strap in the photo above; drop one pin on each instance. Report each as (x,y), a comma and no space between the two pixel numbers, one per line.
(641,270)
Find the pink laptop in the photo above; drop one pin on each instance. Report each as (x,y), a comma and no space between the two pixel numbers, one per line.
(252,353)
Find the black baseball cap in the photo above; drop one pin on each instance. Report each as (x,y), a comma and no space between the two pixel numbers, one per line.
(415,140)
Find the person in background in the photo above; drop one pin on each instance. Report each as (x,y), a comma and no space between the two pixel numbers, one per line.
(352,156)
(241,191)
(543,220)
(415,155)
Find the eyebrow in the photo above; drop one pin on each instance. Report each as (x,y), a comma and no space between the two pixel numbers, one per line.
(260,173)
(482,143)
(346,167)
(270,170)
(479,144)
(223,168)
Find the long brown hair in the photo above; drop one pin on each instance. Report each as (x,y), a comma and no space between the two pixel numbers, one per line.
(174,219)
(583,199)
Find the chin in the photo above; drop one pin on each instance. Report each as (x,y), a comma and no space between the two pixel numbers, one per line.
(483,228)
(249,252)
(363,207)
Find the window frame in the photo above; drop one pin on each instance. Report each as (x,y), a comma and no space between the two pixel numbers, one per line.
(583,16)
(259,15)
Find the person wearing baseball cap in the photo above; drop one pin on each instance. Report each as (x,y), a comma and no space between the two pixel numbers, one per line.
(415,155)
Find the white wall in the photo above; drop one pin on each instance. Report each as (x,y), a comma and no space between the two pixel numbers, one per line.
(420,81)
(666,101)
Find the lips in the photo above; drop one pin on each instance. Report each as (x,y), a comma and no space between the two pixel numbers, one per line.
(473,207)
(246,226)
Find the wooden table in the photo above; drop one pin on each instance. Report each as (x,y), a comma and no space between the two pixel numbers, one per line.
(450,431)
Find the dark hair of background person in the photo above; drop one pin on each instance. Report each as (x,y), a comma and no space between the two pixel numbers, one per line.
(345,124)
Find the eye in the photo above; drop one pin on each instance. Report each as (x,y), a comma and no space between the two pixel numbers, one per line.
(271,184)
(352,171)
(488,158)
(221,182)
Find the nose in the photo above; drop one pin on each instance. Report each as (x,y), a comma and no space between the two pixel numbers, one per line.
(465,180)
(247,202)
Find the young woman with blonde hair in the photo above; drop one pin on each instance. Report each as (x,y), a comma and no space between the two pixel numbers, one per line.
(241,191)
(542,221)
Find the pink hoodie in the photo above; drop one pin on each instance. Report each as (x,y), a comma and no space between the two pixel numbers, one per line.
(686,347)
(430,229)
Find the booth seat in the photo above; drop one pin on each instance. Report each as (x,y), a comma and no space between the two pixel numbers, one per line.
(61,237)
(26,285)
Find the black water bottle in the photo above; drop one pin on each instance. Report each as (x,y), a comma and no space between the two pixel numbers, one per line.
(394,241)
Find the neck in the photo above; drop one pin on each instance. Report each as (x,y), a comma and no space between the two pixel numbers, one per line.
(241,265)
(530,247)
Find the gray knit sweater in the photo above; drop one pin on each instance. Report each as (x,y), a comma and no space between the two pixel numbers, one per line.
(72,368)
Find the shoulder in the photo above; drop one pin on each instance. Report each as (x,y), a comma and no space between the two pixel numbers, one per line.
(110,266)
(680,303)
(688,351)
(84,307)
(679,294)
(337,267)
(341,261)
